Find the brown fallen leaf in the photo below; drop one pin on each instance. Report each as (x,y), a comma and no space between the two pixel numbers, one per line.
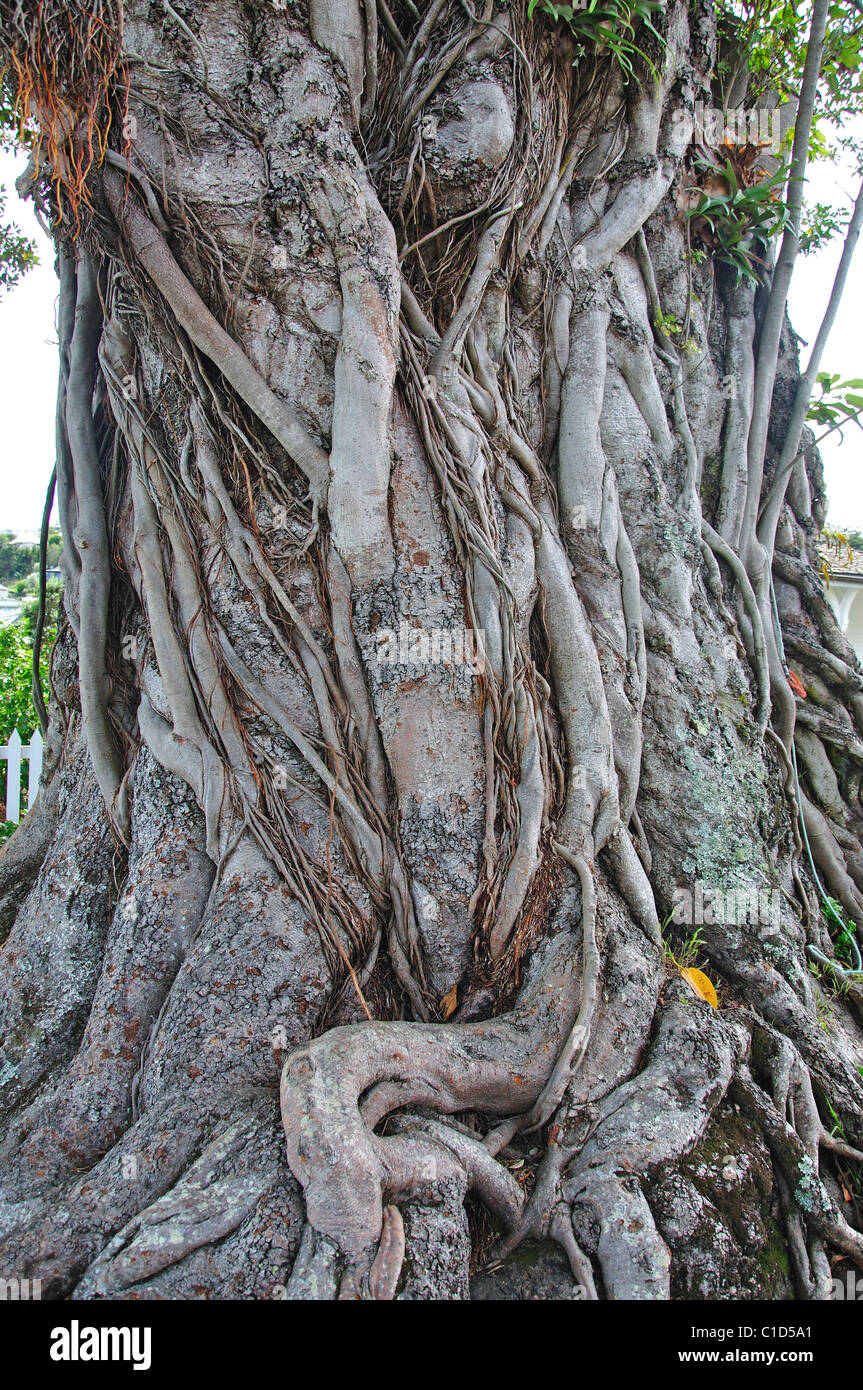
(449,1001)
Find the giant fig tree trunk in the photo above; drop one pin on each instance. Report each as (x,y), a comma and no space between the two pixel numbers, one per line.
(424,650)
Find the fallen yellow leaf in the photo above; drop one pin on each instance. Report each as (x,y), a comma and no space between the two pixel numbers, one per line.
(698,981)
(449,1001)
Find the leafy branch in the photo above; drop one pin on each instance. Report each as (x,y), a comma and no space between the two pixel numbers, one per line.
(608,25)
(17,252)
(838,402)
(737,222)
(821,223)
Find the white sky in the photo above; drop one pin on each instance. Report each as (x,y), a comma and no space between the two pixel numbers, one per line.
(842,453)
(28,362)
(28,372)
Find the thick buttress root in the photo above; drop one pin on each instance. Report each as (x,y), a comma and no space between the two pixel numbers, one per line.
(335,1090)
(537,439)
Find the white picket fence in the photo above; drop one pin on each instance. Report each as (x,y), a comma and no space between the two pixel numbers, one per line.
(13,752)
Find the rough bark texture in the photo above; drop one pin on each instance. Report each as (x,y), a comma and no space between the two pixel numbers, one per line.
(359,353)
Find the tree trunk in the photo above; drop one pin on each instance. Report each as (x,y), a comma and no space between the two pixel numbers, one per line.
(416,666)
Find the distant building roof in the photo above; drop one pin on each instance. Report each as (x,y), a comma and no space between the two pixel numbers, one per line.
(842,561)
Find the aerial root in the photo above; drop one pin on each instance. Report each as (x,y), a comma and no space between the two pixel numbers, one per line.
(91,543)
(416,1159)
(207,334)
(547,1214)
(576,1044)
(387,1264)
(838,1146)
(518,1067)
(798,1169)
(723,551)
(495,1068)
